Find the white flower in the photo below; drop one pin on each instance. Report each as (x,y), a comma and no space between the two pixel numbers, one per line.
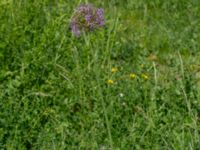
(121,95)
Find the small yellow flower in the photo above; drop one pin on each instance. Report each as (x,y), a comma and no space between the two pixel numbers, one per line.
(110,82)
(113,70)
(132,75)
(142,66)
(145,76)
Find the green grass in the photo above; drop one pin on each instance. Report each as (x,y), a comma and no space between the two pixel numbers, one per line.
(53,87)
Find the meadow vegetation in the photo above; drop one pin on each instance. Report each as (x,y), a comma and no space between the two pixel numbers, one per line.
(132,84)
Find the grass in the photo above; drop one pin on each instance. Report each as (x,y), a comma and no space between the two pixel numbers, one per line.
(54,90)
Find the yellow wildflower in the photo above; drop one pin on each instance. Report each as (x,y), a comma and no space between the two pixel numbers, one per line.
(145,76)
(142,66)
(110,82)
(113,70)
(132,75)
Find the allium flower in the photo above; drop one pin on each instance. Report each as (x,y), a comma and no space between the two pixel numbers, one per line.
(86,18)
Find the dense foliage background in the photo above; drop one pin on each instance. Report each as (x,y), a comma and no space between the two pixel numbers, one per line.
(54,89)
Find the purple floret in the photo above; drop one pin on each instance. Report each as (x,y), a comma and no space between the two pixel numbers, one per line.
(88,18)
(86,9)
(100,17)
(75,29)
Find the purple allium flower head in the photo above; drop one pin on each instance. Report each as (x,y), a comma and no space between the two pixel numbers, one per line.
(86,18)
